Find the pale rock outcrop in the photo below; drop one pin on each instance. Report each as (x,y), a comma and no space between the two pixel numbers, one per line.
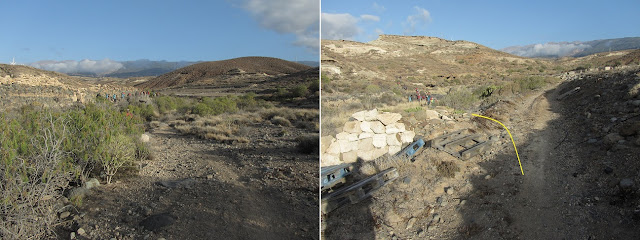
(342,136)
(407,137)
(352,127)
(325,142)
(371,115)
(378,127)
(389,118)
(394,149)
(379,140)
(334,148)
(432,114)
(366,144)
(349,157)
(368,136)
(365,135)
(365,126)
(394,140)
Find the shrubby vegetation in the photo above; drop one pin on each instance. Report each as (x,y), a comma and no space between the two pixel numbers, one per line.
(44,151)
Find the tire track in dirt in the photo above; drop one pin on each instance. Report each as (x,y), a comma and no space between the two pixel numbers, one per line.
(537,216)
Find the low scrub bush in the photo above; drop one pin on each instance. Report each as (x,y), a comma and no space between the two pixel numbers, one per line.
(531,83)
(309,144)
(215,106)
(448,169)
(167,104)
(277,120)
(459,99)
(415,109)
(213,127)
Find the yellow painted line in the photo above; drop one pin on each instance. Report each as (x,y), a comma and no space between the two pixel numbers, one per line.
(514,142)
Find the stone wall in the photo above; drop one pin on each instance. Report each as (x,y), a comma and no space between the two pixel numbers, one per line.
(367,135)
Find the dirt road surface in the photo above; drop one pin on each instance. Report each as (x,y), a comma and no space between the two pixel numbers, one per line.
(202,189)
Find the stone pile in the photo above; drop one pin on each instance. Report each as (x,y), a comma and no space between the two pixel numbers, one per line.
(367,136)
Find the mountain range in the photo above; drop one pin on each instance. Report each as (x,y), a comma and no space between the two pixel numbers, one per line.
(574,49)
(121,69)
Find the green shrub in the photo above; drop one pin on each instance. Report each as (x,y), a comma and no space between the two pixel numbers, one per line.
(250,102)
(120,151)
(202,109)
(221,105)
(459,99)
(415,109)
(146,111)
(372,89)
(531,83)
(299,91)
(42,151)
(486,91)
(314,86)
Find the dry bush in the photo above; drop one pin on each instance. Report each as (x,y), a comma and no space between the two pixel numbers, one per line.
(30,186)
(291,114)
(246,118)
(121,151)
(154,124)
(448,169)
(219,128)
(314,126)
(277,120)
(309,144)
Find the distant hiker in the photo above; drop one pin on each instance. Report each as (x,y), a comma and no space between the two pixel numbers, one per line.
(122,95)
(409,98)
(114,97)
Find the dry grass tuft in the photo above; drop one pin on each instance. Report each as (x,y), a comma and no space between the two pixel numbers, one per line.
(277,120)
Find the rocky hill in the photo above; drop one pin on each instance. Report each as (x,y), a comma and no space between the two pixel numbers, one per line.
(420,57)
(21,85)
(207,73)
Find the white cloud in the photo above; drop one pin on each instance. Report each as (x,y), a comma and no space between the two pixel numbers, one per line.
(548,49)
(367,17)
(299,17)
(378,7)
(420,19)
(99,67)
(339,26)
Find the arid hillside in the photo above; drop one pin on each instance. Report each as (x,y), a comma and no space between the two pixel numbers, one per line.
(420,58)
(21,85)
(208,73)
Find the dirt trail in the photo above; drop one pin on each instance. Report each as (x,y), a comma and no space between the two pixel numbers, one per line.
(536,210)
(202,189)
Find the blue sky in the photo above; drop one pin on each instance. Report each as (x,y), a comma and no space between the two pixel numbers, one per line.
(495,24)
(121,30)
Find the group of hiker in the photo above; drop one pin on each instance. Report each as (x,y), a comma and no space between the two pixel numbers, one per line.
(125,95)
(427,98)
(422,98)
